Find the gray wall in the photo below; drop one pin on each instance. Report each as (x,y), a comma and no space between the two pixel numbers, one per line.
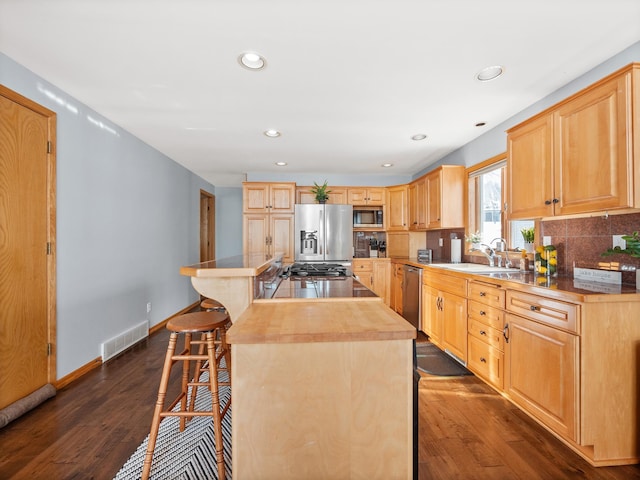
(127,219)
(228,221)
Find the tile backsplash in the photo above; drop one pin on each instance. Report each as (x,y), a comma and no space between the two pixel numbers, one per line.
(581,241)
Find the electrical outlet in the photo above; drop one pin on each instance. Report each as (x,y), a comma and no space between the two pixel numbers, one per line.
(149,307)
(546,240)
(441,242)
(618,241)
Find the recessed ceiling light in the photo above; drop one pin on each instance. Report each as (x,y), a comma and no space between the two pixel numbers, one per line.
(489,73)
(252,61)
(272,133)
(419,136)
(387,165)
(281,164)
(481,124)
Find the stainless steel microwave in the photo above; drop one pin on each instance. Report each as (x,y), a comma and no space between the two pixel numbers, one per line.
(367,217)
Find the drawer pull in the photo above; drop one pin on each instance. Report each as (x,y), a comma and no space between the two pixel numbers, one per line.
(482,332)
(534,308)
(483,313)
(483,294)
(483,360)
(505,333)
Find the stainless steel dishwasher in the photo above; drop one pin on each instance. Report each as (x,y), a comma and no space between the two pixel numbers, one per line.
(411,294)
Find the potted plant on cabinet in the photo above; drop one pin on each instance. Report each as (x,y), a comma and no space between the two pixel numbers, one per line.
(528,234)
(632,249)
(321,192)
(474,239)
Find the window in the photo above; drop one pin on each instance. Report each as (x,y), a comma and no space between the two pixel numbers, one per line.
(486,193)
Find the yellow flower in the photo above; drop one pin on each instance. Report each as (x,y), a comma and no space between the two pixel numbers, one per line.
(554,253)
(542,269)
(553,261)
(539,249)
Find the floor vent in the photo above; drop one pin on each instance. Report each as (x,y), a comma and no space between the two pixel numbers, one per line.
(117,344)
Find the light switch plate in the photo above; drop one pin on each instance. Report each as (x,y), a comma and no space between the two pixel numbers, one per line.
(618,241)
(546,240)
(441,242)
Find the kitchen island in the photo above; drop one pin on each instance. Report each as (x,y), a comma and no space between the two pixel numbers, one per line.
(322,387)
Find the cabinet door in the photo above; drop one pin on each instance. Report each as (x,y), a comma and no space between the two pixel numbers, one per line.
(412,195)
(255,197)
(421,204)
(282,197)
(281,236)
(454,324)
(376,196)
(381,274)
(434,196)
(398,214)
(431,317)
(255,234)
(338,196)
(542,373)
(396,294)
(592,158)
(529,169)
(357,196)
(304,195)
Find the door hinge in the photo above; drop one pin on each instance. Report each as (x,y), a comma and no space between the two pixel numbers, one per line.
(49,349)
(49,146)
(48,248)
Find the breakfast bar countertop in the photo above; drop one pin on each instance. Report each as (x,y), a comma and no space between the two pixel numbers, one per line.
(237,266)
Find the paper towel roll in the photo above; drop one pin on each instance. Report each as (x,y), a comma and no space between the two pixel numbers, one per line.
(456,250)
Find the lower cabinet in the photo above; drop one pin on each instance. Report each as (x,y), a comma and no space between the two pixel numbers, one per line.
(374,273)
(444,312)
(542,373)
(269,234)
(395,300)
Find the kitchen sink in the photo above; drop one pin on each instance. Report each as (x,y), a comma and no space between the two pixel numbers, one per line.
(473,268)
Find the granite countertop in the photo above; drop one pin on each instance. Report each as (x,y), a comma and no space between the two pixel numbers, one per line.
(561,287)
(321,287)
(238,266)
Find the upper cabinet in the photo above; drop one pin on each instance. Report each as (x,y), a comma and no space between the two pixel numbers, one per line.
(445,197)
(366,196)
(418,204)
(337,195)
(398,208)
(260,197)
(578,156)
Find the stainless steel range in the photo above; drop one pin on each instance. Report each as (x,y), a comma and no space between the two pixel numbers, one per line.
(319,270)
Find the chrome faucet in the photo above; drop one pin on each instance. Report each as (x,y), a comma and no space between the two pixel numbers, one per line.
(501,245)
(490,256)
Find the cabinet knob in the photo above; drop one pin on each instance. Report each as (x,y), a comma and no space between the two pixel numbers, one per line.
(547,202)
(534,308)
(483,360)
(483,313)
(482,332)
(555,200)
(483,294)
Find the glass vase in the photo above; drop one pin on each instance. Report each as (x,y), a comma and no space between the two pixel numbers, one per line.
(546,261)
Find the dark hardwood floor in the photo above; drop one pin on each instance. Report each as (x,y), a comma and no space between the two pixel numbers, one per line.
(92,426)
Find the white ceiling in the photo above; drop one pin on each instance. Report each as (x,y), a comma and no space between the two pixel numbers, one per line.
(348,82)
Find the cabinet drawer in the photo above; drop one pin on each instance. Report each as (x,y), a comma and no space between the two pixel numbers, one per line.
(489,335)
(488,294)
(486,361)
(544,310)
(491,316)
(362,266)
(446,283)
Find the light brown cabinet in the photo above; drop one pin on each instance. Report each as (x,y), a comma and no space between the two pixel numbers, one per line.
(261,197)
(417,204)
(267,224)
(398,208)
(395,300)
(577,156)
(366,196)
(445,197)
(338,195)
(485,316)
(444,313)
(374,273)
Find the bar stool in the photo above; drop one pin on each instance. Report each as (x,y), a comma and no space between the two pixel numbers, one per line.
(212,348)
(210,304)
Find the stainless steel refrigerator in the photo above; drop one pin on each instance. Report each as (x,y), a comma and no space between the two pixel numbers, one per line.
(323,233)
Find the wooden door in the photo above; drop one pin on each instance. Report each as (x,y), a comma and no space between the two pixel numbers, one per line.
(421,204)
(431,317)
(381,279)
(357,196)
(593,164)
(398,208)
(542,373)
(255,197)
(530,169)
(207,226)
(412,194)
(376,196)
(27,249)
(282,197)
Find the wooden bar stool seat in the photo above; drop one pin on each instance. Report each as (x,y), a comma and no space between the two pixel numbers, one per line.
(212,347)
(210,304)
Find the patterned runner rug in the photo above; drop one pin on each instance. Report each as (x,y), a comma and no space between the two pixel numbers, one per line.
(188,455)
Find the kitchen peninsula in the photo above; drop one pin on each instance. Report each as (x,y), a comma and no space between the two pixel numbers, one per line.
(322,387)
